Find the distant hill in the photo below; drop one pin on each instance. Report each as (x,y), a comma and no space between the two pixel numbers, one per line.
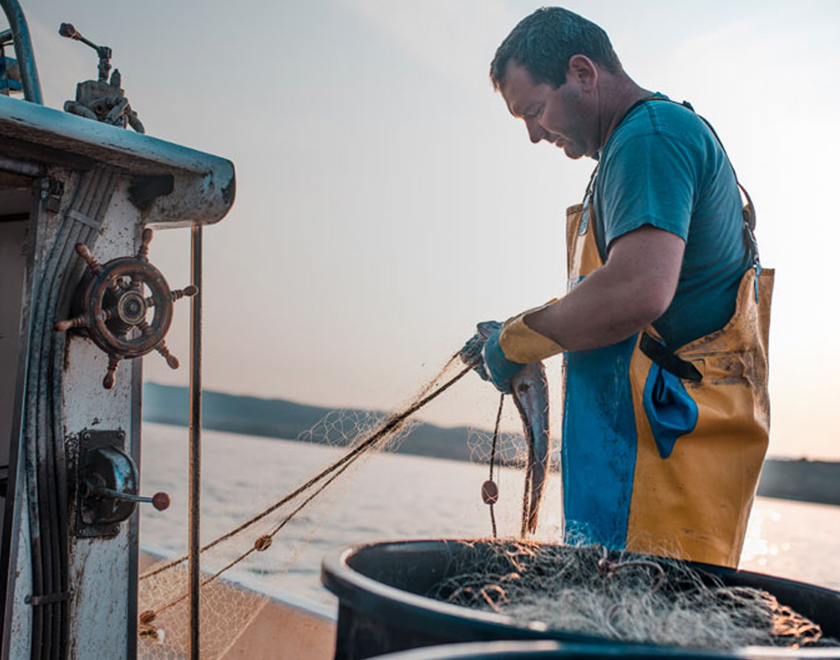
(804,480)
(808,481)
(277,418)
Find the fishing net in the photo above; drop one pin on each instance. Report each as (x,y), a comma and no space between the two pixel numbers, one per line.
(260,545)
(581,589)
(620,596)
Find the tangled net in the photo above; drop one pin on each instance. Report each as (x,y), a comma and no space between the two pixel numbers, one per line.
(226,611)
(621,596)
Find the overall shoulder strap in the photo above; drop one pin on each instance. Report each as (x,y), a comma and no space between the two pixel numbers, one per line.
(748,212)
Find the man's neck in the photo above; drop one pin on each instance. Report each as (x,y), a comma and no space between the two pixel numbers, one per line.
(620,94)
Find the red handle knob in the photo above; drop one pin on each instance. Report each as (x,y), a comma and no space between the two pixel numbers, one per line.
(161,501)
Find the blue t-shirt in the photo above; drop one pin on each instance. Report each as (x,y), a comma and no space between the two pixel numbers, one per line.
(662,166)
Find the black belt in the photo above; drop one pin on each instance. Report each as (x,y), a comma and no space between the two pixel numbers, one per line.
(660,354)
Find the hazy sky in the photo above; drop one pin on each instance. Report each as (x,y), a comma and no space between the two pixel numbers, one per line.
(386,201)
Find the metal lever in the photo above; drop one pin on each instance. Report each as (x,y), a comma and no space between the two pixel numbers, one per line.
(104,52)
(108,484)
(160,501)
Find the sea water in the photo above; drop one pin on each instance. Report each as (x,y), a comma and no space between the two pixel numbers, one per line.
(398,496)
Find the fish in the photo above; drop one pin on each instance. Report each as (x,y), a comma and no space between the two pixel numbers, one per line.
(529,389)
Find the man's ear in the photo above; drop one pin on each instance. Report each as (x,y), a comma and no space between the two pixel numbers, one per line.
(584,71)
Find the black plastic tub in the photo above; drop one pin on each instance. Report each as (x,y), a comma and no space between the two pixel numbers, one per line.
(381,590)
(547,650)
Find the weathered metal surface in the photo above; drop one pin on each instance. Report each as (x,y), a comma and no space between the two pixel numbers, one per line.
(99,568)
(173,186)
(65,398)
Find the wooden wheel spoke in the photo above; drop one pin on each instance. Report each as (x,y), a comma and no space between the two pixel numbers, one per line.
(76,322)
(171,360)
(108,314)
(143,252)
(84,252)
(110,375)
(145,328)
(188,291)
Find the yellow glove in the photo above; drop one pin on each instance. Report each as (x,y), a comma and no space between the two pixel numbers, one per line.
(523,344)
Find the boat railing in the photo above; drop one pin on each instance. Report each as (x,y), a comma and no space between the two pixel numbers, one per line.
(23,51)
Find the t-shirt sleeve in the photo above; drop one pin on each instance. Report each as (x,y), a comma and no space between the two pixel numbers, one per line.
(648,180)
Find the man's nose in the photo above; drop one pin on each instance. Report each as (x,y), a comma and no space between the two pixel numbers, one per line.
(535,131)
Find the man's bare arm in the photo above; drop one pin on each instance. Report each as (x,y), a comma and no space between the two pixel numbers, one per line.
(633,289)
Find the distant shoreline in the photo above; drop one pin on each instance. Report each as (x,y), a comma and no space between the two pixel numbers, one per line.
(793,479)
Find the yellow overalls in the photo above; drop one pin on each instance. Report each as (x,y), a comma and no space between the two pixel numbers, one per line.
(662,463)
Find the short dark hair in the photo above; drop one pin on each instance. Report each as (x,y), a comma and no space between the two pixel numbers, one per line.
(545,41)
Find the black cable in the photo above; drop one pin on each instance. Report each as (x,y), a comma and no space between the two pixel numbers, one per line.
(45,461)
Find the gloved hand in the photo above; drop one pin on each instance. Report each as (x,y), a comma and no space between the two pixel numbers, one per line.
(499,351)
(484,350)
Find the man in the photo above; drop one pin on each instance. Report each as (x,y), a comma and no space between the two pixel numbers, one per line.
(664,327)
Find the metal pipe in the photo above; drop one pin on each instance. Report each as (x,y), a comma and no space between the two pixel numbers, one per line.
(23,51)
(195,446)
(21,166)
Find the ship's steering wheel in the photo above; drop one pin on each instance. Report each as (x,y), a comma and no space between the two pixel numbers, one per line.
(115,301)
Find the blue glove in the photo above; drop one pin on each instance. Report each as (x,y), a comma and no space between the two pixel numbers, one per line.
(484,349)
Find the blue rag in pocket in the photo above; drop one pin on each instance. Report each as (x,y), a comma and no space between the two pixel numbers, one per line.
(670,410)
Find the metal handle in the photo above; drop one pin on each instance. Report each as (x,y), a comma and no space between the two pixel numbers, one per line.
(160,500)
(104,52)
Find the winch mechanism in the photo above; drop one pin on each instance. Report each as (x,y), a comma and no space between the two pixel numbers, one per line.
(101,100)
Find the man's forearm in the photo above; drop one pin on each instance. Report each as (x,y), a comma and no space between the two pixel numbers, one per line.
(631,291)
(596,313)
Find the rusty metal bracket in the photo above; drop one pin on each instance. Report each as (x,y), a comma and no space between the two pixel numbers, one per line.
(52,191)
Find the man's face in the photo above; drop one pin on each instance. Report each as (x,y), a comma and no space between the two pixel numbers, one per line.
(554,114)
